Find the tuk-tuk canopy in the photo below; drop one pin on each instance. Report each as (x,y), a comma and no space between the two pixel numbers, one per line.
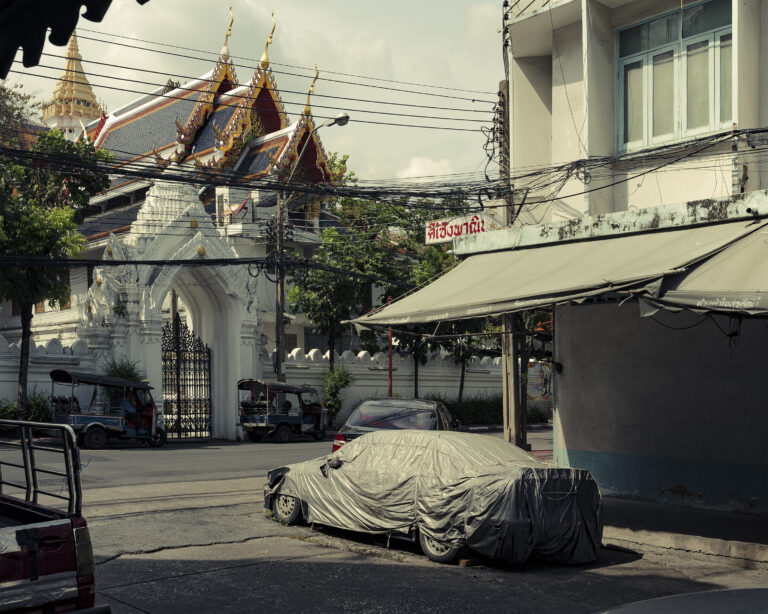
(248,384)
(62,376)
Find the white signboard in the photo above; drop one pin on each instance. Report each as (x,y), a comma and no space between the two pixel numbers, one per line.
(445,231)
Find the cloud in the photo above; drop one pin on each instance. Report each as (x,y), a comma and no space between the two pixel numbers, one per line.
(423,167)
(482,22)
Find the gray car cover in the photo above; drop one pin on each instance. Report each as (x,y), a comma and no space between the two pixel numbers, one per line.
(460,489)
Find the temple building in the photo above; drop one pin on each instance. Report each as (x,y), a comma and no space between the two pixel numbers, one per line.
(220,145)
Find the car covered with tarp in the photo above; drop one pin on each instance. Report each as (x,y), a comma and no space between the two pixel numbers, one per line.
(452,491)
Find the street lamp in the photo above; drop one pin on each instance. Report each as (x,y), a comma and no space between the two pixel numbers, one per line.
(340,120)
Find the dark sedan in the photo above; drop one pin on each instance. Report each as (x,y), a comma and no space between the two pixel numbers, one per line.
(451,491)
(394,414)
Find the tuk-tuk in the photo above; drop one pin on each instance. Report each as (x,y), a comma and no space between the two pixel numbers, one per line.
(279,409)
(98,407)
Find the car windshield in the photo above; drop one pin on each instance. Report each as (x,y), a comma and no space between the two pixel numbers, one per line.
(391,417)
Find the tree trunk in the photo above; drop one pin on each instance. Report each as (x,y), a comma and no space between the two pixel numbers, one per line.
(461,380)
(26,333)
(415,376)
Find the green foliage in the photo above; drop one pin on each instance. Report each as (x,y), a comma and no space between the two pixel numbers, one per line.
(475,410)
(485,410)
(125,368)
(334,382)
(8,410)
(38,409)
(39,200)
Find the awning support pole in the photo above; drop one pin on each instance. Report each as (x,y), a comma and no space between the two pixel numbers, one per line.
(513,406)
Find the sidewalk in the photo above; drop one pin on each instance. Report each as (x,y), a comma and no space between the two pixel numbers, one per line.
(635,523)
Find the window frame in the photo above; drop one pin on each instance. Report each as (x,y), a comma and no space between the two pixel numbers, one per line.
(680,100)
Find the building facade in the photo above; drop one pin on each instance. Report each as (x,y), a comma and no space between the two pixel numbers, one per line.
(637,100)
(637,149)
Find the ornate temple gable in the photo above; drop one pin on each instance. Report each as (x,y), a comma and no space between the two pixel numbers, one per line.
(222,80)
(260,111)
(314,161)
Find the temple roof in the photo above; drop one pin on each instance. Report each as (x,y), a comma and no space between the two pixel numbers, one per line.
(73,94)
(211,122)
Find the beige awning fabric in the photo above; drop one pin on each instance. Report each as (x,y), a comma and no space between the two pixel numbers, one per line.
(733,281)
(524,278)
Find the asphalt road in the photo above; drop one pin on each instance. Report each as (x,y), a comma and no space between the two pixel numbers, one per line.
(182,529)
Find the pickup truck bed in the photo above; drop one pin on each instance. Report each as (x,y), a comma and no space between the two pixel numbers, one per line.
(46,558)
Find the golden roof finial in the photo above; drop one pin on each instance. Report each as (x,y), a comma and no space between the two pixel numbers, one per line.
(307,108)
(264,62)
(224,53)
(73,95)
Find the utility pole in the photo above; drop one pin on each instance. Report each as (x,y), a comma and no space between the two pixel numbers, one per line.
(280,291)
(282,201)
(513,406)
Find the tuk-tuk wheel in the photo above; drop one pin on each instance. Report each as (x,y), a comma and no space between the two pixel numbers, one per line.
(95,438)
(255,436)
(283,433)
(287,509)
(158,439)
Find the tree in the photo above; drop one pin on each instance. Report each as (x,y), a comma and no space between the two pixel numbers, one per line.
(38,203)
(324,296)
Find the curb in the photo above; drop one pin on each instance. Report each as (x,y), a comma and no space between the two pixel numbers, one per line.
(748,551)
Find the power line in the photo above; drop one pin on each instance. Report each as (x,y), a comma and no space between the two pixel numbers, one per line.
(381,87)
(359,121)
(331,72)
(265,87)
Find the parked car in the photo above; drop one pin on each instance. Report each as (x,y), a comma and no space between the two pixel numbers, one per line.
(449,490)
(395,414)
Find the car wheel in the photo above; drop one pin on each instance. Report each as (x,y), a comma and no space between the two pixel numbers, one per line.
(158,439)
(287,509)
(283,433)
(255,436)
(95,438)
(319,436)
(437,551)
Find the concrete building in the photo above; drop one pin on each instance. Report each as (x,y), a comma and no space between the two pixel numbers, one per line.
(637,136)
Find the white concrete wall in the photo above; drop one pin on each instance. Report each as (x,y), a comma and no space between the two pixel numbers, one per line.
(440,375)
(42,360)
(675,414)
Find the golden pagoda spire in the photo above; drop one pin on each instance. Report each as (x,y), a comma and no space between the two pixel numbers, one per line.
(307,108)
(224,53)
(264,62)
(73,96)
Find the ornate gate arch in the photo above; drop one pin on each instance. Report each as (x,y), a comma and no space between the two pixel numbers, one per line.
(186,382)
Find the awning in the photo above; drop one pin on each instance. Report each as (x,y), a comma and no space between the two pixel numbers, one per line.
(524,278)
(733,281)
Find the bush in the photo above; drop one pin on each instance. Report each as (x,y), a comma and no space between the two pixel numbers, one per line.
(125,368)
(334,382)
(38,409)
(484,410)
(8,410)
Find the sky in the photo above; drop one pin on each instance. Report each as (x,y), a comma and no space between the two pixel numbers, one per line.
(452,45)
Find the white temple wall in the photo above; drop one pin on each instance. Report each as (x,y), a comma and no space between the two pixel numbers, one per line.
(440,375)
(42,360)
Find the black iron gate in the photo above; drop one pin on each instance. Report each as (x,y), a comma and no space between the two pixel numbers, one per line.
(186,382)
